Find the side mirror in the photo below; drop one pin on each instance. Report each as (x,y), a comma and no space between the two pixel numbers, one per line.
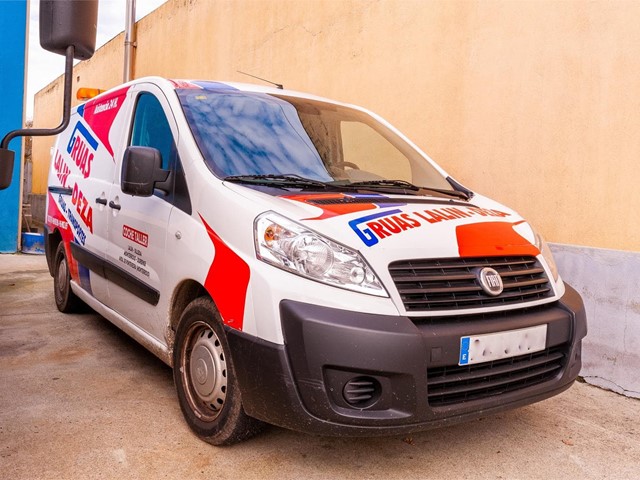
(69,23)
(7,157)
(141,169)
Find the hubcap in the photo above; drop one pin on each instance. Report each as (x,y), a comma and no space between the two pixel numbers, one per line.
(205,372)
(62,273)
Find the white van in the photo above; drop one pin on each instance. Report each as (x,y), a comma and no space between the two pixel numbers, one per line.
(298,261)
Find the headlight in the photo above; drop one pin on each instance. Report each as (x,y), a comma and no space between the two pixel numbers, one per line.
(548,256)
(292,247)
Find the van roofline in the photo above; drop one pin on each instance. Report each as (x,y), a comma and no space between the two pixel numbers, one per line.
(175,84)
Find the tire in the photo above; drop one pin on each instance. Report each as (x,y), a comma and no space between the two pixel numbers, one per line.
(66,300)
(205,379)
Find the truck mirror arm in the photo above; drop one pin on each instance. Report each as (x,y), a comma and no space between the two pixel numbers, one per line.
(7,156)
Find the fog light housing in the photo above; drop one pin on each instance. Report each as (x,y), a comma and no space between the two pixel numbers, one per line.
(362,391)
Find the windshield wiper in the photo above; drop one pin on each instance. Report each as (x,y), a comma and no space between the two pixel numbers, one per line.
(279,180)
(296,181)
(407,186)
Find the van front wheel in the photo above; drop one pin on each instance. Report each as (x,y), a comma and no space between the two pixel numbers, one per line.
(205,380)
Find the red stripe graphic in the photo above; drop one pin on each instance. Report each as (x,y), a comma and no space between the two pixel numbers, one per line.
(227,281)
(491,239)
(57,221)
(101,112)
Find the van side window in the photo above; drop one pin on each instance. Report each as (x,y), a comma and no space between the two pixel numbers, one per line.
(151,129)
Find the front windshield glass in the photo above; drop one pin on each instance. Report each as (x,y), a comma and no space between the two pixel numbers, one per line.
(249,134)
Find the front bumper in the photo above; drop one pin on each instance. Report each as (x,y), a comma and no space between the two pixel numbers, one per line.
(404,371)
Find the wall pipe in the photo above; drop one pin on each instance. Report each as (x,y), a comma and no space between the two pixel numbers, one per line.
(129,40)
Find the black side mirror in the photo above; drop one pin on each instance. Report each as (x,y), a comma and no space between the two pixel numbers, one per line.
(69,22)
(141,169)
(7,158)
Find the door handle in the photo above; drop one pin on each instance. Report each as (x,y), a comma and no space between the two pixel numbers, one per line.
(101,201)
(114,205)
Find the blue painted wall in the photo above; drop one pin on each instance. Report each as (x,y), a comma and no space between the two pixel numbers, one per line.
(13,24)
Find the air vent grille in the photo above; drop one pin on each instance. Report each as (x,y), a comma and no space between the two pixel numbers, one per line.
(452,283)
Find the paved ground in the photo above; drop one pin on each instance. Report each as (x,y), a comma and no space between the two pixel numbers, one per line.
(79,399)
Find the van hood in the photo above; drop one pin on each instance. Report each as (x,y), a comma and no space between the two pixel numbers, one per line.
(404,227)
(385,228)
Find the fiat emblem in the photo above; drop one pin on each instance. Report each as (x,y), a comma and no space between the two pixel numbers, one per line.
(490,281)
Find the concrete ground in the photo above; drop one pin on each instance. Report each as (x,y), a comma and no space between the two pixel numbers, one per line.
(79,399)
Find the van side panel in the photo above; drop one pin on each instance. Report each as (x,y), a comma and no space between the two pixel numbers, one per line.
(81,174)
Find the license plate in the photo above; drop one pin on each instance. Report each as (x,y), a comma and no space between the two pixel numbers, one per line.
(494,346)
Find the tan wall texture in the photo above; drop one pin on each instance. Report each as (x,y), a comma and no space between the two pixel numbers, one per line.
(534,103)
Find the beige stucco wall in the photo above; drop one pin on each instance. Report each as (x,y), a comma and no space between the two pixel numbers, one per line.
(534,103)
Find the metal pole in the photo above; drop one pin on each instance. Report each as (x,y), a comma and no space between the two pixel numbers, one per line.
(129,40)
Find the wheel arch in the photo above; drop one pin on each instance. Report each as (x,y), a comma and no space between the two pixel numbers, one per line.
(51,241)
(186,292)
(208,391)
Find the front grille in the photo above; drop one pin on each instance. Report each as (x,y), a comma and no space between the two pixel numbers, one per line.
(480,316)
(451,283)
(456,384)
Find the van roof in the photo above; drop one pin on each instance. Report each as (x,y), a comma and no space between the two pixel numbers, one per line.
(213,85)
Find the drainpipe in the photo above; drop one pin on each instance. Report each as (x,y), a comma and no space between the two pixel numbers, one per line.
(129,39)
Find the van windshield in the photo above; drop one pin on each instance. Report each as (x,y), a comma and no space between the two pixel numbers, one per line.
(244,135)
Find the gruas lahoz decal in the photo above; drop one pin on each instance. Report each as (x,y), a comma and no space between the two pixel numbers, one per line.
(56,218)
(81,204)
(61,168)
(82,147)
(373,228)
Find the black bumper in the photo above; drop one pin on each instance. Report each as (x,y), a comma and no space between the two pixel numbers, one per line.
(349,373)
